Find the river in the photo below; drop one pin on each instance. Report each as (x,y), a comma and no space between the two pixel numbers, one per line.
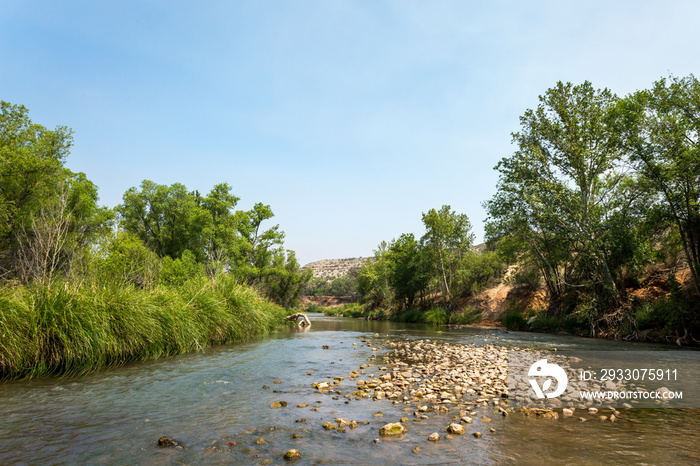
(207,401)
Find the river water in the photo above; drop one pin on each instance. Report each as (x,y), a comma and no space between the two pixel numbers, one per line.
(208,400)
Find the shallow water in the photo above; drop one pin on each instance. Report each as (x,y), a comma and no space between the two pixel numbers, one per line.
(205,400)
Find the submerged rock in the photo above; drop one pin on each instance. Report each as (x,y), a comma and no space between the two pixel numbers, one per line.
(395,428)
(456,429)
(292,454)
(166,442)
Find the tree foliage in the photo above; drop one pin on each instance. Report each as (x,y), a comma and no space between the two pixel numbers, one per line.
(443,264)
(51,224)
(595,185)
(565,191)
(662,129)
(47,212)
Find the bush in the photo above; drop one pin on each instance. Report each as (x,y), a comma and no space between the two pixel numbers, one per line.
(470,315)
(545,324)
(412,315)
(513,320)
(435,316)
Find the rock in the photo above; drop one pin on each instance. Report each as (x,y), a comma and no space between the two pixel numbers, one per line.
(231,443)
(613,418)
(567,412)
(449,437)
(415,450)
(466,420)
(260,441)
(303,419)
(265,462)
(292,455)
(276,404)
(378,414)
(434,437)
(476,434)
(297,436)
(456,429)
(592,410)
(303,405)
(540,412)
(404,419)
(392,429)
(166,442)
(277,381)
(377,440)
(329,426)
(492,430)
(342,430)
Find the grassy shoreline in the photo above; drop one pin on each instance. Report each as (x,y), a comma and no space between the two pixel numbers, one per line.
(513,320)
(72,329)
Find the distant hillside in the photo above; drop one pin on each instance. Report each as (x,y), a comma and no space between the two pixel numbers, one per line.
(334,268)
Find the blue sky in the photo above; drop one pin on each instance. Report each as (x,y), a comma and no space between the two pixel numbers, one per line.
(350,118)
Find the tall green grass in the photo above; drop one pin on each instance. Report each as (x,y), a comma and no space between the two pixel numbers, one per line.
(66,329)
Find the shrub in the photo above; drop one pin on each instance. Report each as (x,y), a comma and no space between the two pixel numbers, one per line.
(435,316)
(513,320)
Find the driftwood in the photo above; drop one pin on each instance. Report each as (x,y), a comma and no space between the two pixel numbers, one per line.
(305,322)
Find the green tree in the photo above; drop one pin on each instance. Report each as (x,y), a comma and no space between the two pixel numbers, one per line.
(166,218)
(284,279)
(447,240)
(259,246)
(220,231)
(565,189)
(373,281)
(409,276)
(47,212)
(662,129)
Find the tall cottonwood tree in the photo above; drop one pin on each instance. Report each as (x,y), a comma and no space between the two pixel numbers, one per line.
(447,240)
(45,209)
(662,133)
(564,190)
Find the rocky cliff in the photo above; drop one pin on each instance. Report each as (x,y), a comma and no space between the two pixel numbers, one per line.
(334,268)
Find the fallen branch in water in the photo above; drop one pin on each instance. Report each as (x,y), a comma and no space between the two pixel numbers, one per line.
(304,319)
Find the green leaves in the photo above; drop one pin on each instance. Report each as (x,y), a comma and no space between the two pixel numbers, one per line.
(662,129)
(185,228)
(446,241)
(45,209)
(561,189)
(407,268)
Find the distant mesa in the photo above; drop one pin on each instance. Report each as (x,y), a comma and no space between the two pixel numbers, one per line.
(331,269)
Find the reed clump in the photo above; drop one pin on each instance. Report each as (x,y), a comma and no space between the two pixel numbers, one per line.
(64,328)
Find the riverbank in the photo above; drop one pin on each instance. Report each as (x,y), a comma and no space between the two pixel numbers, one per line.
(70,329)
(652,313)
